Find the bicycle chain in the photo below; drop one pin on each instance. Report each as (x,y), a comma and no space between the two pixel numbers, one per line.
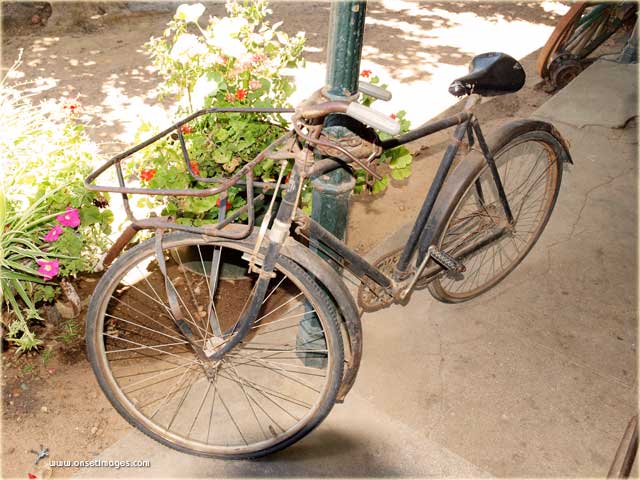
(371,296)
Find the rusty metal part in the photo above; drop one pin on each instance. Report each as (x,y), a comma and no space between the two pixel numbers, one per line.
(626,452)
(321,110)
(123,240)
(563,30)
(318,142)
(425,129)
(362,143)
(563,69)
(373,297)
(225,184)
(334,284)
(287,141)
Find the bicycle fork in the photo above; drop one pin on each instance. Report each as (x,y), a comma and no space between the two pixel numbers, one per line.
(212,352)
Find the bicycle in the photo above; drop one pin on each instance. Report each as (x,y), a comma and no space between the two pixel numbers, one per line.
(579,32)
(240,367)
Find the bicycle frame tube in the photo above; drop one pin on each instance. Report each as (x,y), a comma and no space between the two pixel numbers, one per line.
(430,200)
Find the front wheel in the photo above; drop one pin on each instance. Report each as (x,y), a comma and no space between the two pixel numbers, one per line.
(472,219)
(266,393)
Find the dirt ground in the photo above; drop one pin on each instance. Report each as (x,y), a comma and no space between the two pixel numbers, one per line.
(56,401)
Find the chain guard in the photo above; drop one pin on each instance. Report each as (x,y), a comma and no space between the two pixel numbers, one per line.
(371,296)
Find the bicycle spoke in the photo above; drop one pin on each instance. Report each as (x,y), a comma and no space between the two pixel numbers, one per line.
(526,173)
(262,390)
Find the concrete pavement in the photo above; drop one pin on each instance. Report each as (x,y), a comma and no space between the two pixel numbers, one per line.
(536,378)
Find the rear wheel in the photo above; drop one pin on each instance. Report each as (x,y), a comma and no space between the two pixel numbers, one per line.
(266,393)
(529,165)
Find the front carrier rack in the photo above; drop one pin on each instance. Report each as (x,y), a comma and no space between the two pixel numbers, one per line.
(280,149)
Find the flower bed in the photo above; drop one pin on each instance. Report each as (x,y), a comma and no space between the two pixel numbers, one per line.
(53,228)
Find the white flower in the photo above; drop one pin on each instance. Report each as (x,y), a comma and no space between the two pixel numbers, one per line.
(223,36)
(187,46)
(229,26)
(204,87)
(189,13)
(212,59)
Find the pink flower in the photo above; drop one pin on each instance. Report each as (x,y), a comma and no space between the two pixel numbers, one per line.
(70,218)
(48,269)
(53,234)
(255,84)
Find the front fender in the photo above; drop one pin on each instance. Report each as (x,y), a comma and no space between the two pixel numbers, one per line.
(319,269)
(331,281)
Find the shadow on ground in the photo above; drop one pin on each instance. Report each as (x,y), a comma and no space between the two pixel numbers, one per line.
(109,72)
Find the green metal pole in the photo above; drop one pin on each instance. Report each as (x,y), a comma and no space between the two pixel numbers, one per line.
(330,199)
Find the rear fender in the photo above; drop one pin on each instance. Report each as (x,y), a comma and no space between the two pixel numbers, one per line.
(473,163)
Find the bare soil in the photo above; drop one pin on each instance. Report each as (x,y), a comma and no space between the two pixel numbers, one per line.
(56,401)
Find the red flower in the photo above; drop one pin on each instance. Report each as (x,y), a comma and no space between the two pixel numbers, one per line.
(241,93)
(195,167)
(73,108)
(31,475)
(218,204)
(147,174)
(393,116)
(365,73)
(186,129)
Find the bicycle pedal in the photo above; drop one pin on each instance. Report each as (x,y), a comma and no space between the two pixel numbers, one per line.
(447,261)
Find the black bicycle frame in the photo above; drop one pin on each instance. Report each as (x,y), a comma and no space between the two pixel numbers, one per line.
(466,124)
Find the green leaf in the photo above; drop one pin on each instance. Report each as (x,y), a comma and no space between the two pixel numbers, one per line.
(401,173)
(380,185)
(401,162)
(221,156)
(90,215)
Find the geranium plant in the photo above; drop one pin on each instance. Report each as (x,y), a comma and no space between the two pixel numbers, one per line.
(238,60)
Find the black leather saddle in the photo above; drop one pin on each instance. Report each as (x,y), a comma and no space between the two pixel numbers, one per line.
(490,74)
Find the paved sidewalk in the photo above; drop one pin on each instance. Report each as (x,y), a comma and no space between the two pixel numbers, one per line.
(536,378)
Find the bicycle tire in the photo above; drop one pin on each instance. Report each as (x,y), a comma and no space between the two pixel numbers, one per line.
(125,404)
(460,190)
